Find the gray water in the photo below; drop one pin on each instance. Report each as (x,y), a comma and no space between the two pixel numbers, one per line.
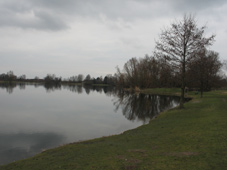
(34,118)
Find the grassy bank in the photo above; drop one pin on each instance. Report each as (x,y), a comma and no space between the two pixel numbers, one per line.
(193,138)
(166,91)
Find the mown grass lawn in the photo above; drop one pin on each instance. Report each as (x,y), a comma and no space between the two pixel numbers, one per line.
(192,138)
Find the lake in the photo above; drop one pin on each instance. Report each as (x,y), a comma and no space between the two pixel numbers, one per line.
(36,117)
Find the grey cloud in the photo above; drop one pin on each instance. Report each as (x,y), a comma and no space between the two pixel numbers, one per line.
(57,14)
(34,20)
(24,15)
(131,42)
(49,21)
(195,4)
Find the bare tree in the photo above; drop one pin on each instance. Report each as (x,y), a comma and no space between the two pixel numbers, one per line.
(73,79)
(213,69)
(11,76)
(131,70)
(204,69)
(80,78)
(22,77)
(88,77)
(179,44)
(120,78)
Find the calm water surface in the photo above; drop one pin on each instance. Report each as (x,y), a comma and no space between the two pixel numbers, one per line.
(36,117)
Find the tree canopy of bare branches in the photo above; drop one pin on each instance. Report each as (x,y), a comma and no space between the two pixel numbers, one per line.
(180,43)
(203,70)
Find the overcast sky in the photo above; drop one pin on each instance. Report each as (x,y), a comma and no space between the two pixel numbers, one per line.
(69,37)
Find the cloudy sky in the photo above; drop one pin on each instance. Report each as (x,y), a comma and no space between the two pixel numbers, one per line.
(69,37)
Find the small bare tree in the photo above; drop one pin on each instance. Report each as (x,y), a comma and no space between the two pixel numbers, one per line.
(80,78)
(180,43)
(204,69)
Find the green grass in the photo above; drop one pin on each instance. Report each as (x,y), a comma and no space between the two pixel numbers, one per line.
(188,139)
(166,91)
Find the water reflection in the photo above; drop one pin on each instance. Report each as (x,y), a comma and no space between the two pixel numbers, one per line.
(53,87)
(73,88)
(8,86)
(43,116)
(143,106)
(20,146)
(22,86)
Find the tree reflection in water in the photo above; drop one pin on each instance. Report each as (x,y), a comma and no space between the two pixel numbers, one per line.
(8,86)
(32,122)
(51,87)
(143,107)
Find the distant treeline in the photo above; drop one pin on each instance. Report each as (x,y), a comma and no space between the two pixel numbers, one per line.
(53,79)
(146,72)
(51,87)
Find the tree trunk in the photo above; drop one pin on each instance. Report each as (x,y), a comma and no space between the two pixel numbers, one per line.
(182,86)
(201,88)
(183,76)
(182,99)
